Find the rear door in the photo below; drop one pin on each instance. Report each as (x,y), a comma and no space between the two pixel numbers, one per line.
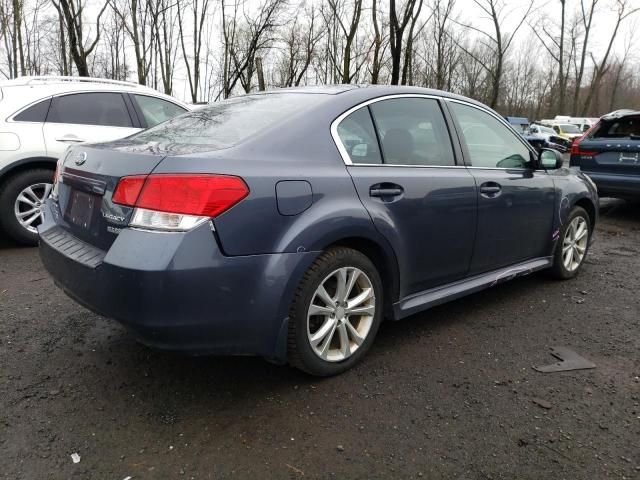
(515,201)
(86,117)
(405,171)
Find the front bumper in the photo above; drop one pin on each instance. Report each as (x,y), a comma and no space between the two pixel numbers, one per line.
(178,291)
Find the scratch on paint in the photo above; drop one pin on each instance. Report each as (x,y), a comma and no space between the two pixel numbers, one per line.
(511,274)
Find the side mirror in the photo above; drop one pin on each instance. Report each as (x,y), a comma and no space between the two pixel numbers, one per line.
(550,159)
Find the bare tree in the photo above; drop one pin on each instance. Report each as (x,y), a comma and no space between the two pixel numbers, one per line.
(199,11)
(498,42)
(624,11)
(79,47)
(300,43)
(397,28)
(244,38)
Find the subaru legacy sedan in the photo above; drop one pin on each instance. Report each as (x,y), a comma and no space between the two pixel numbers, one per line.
(289,224)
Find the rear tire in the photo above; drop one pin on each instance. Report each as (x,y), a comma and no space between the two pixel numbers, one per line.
(335,313)
(572,245)
(41,180)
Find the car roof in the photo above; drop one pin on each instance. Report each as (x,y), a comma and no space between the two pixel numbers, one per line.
(22,91)
(620,114)
(361,93)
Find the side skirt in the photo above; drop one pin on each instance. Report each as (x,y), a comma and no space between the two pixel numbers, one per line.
(430,298)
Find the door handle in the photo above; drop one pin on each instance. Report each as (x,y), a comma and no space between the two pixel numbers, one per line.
(490,189)
(385,192)
(69,139)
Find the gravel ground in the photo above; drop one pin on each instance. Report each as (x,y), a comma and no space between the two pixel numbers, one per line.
(449,393)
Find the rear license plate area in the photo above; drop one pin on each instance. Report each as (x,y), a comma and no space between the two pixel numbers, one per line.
(81,208)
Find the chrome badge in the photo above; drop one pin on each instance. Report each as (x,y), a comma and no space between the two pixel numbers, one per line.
(79,158)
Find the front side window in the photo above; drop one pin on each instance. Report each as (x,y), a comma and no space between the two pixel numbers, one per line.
(104,109)
(35,113)
(358,137)
(157,110)
(489,142)
(413,131)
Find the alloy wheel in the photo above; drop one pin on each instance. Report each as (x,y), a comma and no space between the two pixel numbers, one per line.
(29,205)
(574,245)
(341,314)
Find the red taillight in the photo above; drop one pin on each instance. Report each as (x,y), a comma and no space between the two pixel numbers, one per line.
(128,190)
(575,146)
(199,195)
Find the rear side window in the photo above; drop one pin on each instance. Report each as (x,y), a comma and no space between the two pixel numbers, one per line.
(227,123)
(35,113)
(489,142)
(412,131)
(104,109)
(157,110)
(626,127)
(358,137)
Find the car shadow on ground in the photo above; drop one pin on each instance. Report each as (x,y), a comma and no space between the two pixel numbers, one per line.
(195,377)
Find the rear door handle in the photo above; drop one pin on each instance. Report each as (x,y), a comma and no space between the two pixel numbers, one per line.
(385,192)
(69,139)
(490,189)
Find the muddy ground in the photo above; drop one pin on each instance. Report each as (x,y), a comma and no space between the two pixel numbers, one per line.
(449,393)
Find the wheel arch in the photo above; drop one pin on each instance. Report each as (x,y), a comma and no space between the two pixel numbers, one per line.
(27,164)
(590,208)
(383,259)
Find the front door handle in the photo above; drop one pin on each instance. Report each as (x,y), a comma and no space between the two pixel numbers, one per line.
(490,189)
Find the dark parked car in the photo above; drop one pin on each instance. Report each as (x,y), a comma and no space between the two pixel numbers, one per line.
(610,154)
(288,224)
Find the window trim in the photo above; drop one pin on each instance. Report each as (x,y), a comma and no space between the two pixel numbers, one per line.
(463,142)
(345,155)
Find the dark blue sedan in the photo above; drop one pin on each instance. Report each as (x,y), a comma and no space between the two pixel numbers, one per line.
(289,224)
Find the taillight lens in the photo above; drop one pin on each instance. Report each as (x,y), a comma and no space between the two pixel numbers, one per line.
(128,190)
(178,202)
(575,146)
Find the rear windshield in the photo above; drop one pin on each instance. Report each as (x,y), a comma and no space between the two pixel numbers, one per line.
(224,124)
(625,127)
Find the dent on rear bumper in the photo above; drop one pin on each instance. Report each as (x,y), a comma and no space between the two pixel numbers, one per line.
(177,291)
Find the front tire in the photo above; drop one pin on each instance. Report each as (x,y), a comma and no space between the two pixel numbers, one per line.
(573,245)
(335,313)
(22,199)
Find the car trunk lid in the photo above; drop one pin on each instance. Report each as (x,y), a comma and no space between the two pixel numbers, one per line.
(87,179)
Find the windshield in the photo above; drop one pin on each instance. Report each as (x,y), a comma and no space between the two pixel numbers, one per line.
(568,128)
(223,124)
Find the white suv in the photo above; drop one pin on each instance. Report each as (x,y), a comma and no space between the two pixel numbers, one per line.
(41,116)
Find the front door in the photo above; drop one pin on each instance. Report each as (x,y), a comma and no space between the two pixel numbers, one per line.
(404,169)
(515,201)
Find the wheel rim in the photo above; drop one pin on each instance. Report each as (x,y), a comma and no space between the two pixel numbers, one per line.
(574,245)
(341,314)
(29,204)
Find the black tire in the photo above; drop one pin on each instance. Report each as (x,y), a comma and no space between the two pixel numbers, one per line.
(300,352)
(9,191)
(558,269)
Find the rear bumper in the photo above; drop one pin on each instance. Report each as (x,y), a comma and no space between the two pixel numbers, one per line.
(616,185)
(177,291)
